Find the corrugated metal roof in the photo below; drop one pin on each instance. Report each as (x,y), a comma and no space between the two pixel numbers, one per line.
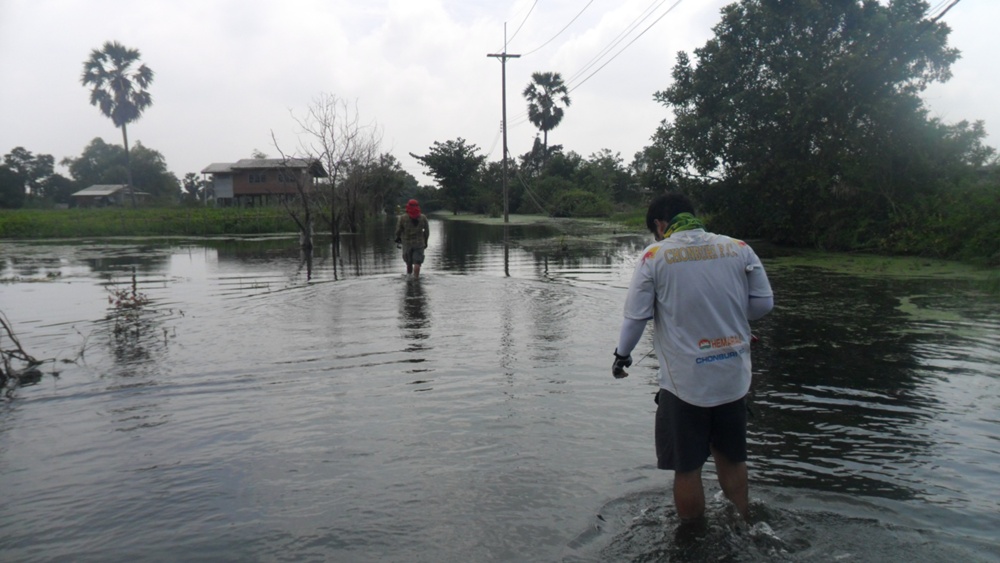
(217,168)
(313,165)
(98,190)
(270,163)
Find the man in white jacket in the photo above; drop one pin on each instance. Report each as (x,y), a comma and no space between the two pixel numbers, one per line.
(701,289)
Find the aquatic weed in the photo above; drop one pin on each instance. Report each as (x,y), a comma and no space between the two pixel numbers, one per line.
(17,367)
(127,307)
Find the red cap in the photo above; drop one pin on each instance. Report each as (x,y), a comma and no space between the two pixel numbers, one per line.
(413,209)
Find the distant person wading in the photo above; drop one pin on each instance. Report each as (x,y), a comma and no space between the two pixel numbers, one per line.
(412,232)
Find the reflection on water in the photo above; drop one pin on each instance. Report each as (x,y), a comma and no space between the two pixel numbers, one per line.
(414,321)
(269,405)
(846,398)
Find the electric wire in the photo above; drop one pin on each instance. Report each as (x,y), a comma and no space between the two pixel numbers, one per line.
(522,117)
(619,38)
(506,40)
(936,7)
(591,75)
(941,8)
(527,190)
(578,14)
(495,141)
(944,11)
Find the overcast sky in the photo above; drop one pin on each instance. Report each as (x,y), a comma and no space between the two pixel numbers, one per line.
(228,73)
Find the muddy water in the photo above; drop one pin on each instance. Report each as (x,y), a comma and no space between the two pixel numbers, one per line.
(267,407)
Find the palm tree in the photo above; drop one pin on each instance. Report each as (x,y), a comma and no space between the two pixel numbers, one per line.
(118,88)
(544,94)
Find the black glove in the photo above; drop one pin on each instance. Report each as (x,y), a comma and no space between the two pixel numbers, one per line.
(399,241)
(621,362)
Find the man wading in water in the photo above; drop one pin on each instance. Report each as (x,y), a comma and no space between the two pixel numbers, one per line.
(412,232)
(701,290)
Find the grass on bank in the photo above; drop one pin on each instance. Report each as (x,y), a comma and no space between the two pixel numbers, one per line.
(111,222)
(619,221)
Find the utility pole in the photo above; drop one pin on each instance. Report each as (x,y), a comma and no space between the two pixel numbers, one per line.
(503,86)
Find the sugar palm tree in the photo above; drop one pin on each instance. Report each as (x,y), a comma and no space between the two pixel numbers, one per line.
(544,94)
(118,84)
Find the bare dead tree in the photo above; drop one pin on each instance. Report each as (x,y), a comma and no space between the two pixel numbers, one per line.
(334,134)
(300,208)
(17,367)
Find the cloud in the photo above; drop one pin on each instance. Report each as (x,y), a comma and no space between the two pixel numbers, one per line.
(228,73)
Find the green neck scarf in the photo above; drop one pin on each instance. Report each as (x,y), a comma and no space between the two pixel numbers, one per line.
(683,222)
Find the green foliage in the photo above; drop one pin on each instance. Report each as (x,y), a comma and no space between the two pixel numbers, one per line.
(103,163)
(567,185)
(118,82)
(392,182)
(563,165)
(11,189)
(29,180)
(59,189)
(959,223)
(177,221)
(661,167)
(32,169)
(544,94)
(604,174)
(543,192)
(795,108)
(118,85)
(455,166)
(194,186)
(533,162)
(430,198)
(634,218)
(488,195)
(580,203)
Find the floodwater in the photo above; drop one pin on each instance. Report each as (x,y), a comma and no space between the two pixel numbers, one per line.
(264,407)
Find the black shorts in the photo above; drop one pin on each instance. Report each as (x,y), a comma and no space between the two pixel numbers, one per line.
(413,255)
(685,432)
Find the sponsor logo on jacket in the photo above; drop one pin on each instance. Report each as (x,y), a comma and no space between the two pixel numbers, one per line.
(718,357)
(702,252)
(724,342)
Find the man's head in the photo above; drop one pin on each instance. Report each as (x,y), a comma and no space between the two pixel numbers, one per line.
(663,209)
(413,209)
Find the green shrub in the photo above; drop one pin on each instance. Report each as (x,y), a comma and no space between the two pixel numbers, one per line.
(173,221)
(579,203)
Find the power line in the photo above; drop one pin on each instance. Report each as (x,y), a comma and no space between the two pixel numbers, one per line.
(527,190)
(619,38)
(937,6)
(944,11)
(941,8)
(521,118)
(591,75)
(561,30)
(506,41)
(495,140)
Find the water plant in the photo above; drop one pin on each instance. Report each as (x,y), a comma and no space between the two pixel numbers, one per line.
(127,306)
(17,367)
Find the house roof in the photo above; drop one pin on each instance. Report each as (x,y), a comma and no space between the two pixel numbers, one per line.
(313,165)
(99,190)
(217,168)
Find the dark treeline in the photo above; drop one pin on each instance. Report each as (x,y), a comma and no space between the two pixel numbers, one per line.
(798,122)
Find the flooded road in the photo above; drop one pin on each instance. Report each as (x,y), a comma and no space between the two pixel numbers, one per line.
(265,407)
